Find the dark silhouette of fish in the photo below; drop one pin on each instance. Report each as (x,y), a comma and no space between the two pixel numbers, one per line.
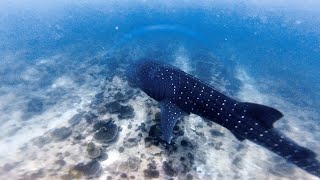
(180,93)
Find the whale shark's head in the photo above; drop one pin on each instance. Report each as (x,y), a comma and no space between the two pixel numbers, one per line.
(146,75)
(142,73)
(132,74)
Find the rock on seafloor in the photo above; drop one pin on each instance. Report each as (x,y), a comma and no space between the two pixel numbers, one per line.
(106,134)
(62,133)
(120,97)
(102,124)
(126,112)
(90,117)
(41,141)
(168,169)
(216,133)
(91,169)
(76,119)
(113,107)
(134,163)
(152,171)
(93,150)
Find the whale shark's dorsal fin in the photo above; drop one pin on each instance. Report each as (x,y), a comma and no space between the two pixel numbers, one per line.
(170,114)
(265,115)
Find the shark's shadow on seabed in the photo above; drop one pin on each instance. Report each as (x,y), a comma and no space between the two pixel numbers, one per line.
(180,93)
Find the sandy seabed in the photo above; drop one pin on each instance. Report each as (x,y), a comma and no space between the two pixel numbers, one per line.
(111,131)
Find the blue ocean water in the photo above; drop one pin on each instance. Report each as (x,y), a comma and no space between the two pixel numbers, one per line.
(60,59)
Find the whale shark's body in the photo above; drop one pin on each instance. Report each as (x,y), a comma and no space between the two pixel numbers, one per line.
(180,93)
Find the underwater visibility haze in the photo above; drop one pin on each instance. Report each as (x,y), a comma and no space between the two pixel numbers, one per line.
(159,89)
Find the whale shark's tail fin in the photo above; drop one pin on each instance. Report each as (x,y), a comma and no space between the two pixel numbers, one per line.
(306,159)
(291,151)
(265,115)
(275,141)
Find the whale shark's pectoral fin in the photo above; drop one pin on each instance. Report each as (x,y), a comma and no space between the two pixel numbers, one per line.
(265,115)
(170,114)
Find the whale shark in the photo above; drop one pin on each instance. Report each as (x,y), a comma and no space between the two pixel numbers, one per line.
(180,94)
